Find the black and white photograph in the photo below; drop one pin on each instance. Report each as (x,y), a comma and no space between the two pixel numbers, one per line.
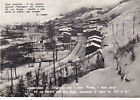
(70,48)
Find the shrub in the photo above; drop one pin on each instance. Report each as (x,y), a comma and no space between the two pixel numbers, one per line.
(20,89)
(133,56)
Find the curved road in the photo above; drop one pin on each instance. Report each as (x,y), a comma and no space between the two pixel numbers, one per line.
(78,51)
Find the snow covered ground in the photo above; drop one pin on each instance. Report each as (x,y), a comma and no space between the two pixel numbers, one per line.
(45,66)
(107,82)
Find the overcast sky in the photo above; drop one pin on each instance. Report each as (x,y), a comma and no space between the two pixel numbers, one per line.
(53,9)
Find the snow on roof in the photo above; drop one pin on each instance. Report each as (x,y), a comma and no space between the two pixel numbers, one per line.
(94,36)
(67,29)
(89,30)
(93,44)
(92,26)
(94,39)
(66,33)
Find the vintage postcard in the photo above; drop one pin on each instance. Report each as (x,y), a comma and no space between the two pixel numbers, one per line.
(70,48)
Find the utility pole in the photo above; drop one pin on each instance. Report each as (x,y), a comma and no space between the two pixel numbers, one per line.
(114,36)
(54,66)
(134,18)
(116,42)
(77,60)
(28,53)
(56,51)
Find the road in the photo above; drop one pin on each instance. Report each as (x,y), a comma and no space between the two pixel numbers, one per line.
(78,51)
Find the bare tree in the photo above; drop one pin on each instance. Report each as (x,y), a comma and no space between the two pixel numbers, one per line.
(51,34)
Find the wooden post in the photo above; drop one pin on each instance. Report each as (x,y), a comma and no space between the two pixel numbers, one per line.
(33,51)
(11,81)
(28,57)
(123,28)
(8,74)
(112,28)
(39,70)
(88,58)
(117,29)
(15,72)
(1,74)
(76,72)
